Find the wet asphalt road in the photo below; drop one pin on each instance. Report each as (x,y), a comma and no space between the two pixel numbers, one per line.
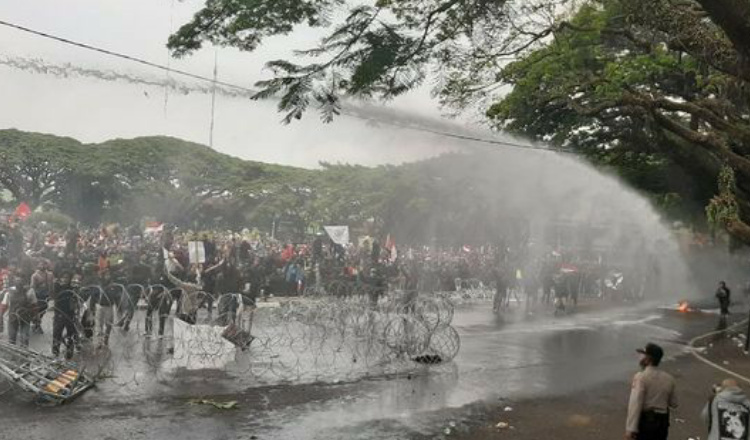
(500,358)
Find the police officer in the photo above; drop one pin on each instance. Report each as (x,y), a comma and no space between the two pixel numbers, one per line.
(651,398)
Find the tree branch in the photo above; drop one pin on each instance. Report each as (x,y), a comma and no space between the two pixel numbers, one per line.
(733,17)
(686,30)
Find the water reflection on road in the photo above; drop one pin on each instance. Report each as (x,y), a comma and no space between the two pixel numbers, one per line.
(509,357)
(500,358)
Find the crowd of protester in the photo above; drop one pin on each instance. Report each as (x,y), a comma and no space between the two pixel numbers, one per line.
(88,274)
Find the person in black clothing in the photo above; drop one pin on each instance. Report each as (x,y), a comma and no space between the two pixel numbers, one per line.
(245,252)
(209,287)
(139,278)
(208,280)
(375,252)
(723,294)
(167,237)
(89,293)
(210,247)
(562,292)
(317,248)
(378,286)
(548,281)
(229,282)
(158,299)
(255,278)
(109,297)
(71,241)
(65,309)
(501,289)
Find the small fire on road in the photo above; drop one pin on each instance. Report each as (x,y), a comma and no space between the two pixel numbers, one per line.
(684,307)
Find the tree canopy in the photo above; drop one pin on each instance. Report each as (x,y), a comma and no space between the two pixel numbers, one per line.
(453,199)
(649,87)
(122,179)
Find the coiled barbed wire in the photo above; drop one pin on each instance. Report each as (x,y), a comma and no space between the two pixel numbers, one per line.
(354,333)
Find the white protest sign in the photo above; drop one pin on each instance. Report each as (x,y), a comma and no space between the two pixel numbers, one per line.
(339,234)
(196,252)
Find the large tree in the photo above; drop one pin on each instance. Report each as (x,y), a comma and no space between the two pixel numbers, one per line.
(636,78)
(123,180)
(453,200)
(631,82)
(36,168)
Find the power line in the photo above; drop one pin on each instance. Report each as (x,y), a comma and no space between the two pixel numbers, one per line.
(215,82)
(213,99)
(121,56)
(448,134)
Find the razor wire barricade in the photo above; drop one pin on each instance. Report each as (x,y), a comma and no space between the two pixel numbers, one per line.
(362,332)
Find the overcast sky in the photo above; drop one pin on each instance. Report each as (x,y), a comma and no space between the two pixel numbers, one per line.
(93,110)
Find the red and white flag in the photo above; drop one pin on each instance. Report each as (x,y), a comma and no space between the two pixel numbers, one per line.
(22,211)
(568,268)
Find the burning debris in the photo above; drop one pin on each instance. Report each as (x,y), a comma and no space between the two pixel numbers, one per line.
(684,307)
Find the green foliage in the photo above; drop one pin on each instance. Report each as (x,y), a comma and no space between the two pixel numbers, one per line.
(664,80)
(574,94)
(453,198)
(123,180)
(245,23)
(35,167)
(723,209)
(375,48)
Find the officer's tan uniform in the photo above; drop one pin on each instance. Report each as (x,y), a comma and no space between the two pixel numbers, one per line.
(653,391)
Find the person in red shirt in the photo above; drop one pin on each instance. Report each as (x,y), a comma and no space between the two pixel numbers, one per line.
(287,253)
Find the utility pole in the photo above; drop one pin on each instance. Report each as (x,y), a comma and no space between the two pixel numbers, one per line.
(213,99)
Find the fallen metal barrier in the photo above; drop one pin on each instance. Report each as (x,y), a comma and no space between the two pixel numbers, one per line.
(52,381)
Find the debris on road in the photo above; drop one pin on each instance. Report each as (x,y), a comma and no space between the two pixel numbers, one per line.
(232,404)
(52,381)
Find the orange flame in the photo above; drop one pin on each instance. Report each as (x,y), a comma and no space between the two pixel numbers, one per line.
(683,306)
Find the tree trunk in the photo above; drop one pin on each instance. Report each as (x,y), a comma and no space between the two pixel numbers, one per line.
(740,230)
